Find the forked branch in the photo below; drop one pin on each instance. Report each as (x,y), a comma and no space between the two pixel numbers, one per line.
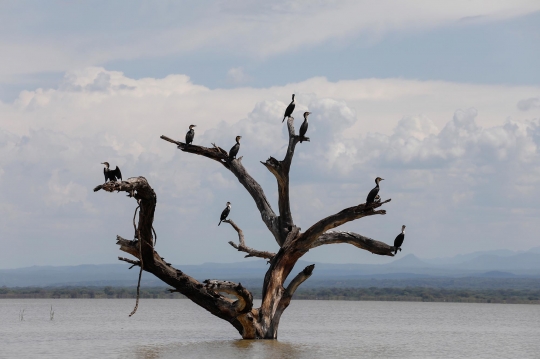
(138,188)
(348,214)
(281,169)
(235,166)
(241,246)
(214,295)
(289,292)
(217,304)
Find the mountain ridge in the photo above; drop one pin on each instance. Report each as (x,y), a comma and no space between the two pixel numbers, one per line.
(523,264)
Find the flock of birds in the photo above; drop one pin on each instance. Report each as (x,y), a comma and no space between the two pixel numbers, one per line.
(372,197)
(190,135)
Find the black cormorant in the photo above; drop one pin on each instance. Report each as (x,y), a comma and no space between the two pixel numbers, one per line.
(304,127)
(111,175)
(234,149)
(373,193)
(399,240)
(289,110)
(190,135)
(225,213)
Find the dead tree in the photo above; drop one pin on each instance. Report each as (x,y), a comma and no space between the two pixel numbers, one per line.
(292,244)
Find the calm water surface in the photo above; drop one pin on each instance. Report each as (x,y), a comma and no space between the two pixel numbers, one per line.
(101,328)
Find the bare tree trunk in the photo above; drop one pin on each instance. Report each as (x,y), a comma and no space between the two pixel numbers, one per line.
(250,322)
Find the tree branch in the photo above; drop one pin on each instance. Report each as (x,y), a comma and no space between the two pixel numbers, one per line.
(138,188)
(280,169)
(215,153)
(295,283)
(212,295)
(130,261)
(216,304)
(306,239)
(235,166)
(356,240)
(242,244)
(200,294)
(245,299)
(293,140)
(289,292)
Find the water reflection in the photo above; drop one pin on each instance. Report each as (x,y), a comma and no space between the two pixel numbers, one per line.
(264,349)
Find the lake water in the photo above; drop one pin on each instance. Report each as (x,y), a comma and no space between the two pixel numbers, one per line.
(101,328)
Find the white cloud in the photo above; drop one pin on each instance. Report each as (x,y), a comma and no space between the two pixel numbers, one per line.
(451,173)
(132,105)
(461,138)
(61,194)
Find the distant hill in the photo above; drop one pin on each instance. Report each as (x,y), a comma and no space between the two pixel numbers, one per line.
(534,250)
(409,261)
(496,274)
(521,263)
(462,258)
(504,264)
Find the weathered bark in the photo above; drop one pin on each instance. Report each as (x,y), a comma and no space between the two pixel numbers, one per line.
(250,322)
(241,246)
(200,294)
(356,240)
(218,154)
(281,169)
(288,294)
(338,219)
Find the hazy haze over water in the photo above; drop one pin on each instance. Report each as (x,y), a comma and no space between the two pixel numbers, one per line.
(93,328)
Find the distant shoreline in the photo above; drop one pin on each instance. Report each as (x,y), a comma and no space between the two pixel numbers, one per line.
(408,294)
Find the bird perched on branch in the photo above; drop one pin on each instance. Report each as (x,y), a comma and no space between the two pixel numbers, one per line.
(111,175)
(225,213)
(190,135)
(289,110)
(399,240)
(374,192)
(304,127)
(234,149)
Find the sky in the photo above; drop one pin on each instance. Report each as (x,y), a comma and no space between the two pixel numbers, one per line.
(441,99)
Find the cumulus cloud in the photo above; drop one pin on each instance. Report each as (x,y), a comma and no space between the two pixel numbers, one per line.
(416,143)
(62,193)
(450,173)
